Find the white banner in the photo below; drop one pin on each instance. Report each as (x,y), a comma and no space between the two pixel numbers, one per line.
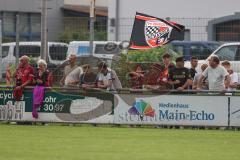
(84,110)
(12,111)
(235,111)
(173,110)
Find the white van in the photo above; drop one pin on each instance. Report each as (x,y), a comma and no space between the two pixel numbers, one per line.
(101,49)
(56,52)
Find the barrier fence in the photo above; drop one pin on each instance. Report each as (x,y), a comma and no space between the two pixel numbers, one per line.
(143,107)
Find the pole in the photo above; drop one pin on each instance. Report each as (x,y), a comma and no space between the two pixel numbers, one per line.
(1,50)
(17,39)
(92,19)
(117,21)
(46,35)
(44,47)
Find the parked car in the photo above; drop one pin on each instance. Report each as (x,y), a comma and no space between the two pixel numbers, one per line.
(230,52)
(200,49)
(56,52)
(227,51)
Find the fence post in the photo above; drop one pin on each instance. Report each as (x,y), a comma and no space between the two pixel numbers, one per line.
(229,110)
(44,30)
(1,50)
(17,39)
(92,17)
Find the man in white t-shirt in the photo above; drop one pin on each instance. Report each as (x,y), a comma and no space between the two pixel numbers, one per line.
(107,78)
(73,78)
(217,75)
(233,75)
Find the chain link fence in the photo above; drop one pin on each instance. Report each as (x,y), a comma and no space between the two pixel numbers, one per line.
(77,29)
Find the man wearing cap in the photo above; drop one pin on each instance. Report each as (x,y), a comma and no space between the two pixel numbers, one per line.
(179,76)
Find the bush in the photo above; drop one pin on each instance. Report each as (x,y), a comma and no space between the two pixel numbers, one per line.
(82,35)
(127,62)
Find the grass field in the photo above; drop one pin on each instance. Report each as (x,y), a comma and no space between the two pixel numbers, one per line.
(111,143)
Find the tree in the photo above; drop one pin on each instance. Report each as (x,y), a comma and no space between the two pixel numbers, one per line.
(82,35)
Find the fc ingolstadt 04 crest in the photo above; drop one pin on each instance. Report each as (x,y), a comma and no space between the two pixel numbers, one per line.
(149,32)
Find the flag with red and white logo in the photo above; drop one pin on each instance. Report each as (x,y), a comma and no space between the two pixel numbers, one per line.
(149,32)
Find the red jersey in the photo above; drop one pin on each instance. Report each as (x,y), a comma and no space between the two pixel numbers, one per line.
(137,82)
(25,74)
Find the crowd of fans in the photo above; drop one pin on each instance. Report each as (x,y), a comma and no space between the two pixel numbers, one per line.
(158,76)
(73,75)
(83,76)
(213,76)
(165,75)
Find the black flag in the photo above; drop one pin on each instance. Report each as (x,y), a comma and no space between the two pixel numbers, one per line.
(149,32)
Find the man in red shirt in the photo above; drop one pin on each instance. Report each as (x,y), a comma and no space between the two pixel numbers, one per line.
(24,73)
(154,77)
(167,65)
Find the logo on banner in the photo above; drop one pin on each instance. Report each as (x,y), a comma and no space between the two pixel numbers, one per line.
(141,108)
(157,32)
(12,111)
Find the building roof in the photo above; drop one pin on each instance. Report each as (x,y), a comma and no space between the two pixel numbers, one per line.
(100,11)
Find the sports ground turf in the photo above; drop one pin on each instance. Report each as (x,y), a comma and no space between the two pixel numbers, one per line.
(55,142)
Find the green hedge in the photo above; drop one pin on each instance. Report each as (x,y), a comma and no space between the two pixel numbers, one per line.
(125,63)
